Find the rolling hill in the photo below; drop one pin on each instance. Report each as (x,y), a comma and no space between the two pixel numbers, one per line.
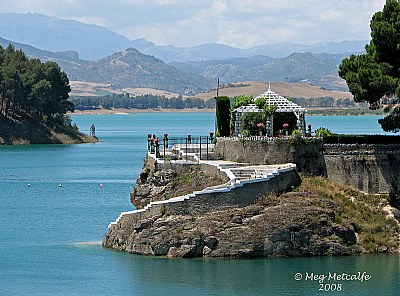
(130,68)
(290,90)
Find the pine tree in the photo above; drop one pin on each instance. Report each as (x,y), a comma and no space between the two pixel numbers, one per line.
(374,77)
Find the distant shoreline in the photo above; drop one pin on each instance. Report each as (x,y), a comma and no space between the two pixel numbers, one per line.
(123,111)
(311,111)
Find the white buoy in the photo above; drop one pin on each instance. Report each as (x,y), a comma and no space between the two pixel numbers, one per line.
(101,185)
(29,185)
(60,185)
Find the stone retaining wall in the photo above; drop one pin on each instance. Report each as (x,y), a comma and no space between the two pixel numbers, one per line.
(308,156)
(370,168)
(373,168)
(241,196)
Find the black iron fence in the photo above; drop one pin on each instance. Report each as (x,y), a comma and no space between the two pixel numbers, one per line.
(160,147)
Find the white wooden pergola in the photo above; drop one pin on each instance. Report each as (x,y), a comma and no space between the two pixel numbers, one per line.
(271,99)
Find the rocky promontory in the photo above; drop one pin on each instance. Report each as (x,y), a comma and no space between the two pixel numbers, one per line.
(319,217)
(27,131)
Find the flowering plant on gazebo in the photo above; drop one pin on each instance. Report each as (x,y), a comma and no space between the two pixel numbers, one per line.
(286,128)
(260,126)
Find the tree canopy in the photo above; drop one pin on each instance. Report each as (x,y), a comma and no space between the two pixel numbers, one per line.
(241,100)
(29,87)
(374,77)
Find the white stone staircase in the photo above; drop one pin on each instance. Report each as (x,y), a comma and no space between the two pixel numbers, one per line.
(239,174)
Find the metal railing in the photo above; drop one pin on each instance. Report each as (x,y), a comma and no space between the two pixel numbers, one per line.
(158,146)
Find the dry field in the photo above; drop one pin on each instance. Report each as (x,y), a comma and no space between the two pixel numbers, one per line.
(291,90)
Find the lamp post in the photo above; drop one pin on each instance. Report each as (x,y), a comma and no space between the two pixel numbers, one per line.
(148,141)
(151,145)
(157,144)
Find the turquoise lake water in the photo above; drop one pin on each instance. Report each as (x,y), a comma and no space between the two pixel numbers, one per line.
(42,227)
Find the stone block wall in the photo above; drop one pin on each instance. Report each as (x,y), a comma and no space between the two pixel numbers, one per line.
(239,197)
(205,203)
(369,167)
(308,156)
(373,168)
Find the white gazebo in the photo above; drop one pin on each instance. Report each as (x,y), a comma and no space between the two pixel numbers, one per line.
(271,99)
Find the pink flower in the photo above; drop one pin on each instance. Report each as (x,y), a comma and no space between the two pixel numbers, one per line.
(286,125)
(260,125)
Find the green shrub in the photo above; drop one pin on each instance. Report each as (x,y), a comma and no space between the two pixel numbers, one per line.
(322,132)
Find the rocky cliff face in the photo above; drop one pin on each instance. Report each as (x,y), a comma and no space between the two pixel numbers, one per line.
(163,181)
(293,224)
(319,218)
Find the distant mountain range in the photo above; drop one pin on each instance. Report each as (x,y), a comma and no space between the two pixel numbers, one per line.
(133,69)
(110,58)
(71,56)
(93,42)
(317,69)
(128,68)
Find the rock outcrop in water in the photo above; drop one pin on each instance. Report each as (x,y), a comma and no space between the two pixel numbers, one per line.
(320,217)
(293,224)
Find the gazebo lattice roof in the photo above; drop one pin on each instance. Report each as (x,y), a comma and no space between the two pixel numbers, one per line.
(272,99)
(283,104)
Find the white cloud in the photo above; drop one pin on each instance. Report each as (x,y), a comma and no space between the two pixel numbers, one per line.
(242,23)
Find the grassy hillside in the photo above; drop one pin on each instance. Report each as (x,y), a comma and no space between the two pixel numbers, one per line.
(377,231)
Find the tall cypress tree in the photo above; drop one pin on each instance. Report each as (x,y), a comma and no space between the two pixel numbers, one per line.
(223,115)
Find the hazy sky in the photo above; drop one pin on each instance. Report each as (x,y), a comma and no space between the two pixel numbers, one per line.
(239,23)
